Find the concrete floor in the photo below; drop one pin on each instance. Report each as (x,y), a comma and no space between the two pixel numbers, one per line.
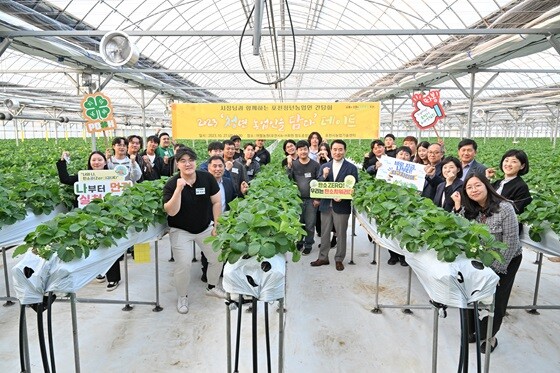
(328,324)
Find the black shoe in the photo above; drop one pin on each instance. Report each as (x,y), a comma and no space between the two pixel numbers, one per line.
(492,346)
(472,338)
(306,251)
(403,262)
(112,285)
(333,241)
(203,278)
(392,261)
(299,246)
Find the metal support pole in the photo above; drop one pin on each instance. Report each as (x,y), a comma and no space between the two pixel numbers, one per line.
(376,309)
(6,278)
(157,308)
(127,306)
(24,341)
(75,332)
(408,311)
(556,128)
(353,235)
(228,332)
(281,335)
(471,106)
(537,283)
(374,261)
(17,130)
(392,113)
(435,340)
(488,335)
(143,107)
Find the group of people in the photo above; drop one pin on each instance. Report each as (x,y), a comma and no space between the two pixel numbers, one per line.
(457,184)
(150,164)
(464,186)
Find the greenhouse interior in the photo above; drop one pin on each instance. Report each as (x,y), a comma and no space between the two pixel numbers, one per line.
(413,89)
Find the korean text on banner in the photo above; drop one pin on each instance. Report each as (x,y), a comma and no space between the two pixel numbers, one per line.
(399,171)
(347,120)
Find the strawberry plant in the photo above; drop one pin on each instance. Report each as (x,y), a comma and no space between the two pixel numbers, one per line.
(99,224)
(400,213)
(264,223)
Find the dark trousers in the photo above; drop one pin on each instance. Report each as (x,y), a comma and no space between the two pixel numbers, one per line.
(394,255)
(503,291)
(114,273)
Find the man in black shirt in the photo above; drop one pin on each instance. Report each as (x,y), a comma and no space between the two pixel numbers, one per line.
(261,154)
(193,204)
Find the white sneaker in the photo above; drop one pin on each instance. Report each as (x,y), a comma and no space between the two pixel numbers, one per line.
(183,304)
(216,292)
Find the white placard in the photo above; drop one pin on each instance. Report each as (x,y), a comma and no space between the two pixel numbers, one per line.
(399,171)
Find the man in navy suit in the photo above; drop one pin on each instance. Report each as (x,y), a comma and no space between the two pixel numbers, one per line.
(216,166)
(467,149)
(335,212)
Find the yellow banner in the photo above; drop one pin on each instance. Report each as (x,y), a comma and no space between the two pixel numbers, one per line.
(346,120)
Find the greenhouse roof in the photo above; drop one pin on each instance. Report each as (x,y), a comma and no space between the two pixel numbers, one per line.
(502,54)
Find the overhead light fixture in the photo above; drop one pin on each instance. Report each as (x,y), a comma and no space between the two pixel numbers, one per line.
(6,116)
(447,104)
(479,113)
(12,103)
(117,49)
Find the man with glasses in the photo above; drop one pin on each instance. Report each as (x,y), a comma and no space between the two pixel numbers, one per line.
(193,204)
(135,143)
(433,171)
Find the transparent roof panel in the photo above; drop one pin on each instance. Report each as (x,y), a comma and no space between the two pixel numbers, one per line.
(329,64)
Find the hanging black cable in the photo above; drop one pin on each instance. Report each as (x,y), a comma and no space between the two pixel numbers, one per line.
(22,350)
(255,344)
(238,336)
(294,43)
(41,335)
(477,338)
(463,328)
(50,300)
(267,334)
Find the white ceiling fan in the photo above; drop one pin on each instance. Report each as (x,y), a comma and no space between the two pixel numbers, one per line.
(117,50)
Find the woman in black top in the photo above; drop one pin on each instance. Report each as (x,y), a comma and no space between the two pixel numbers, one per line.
(452,172)
(96,161)
(514,164)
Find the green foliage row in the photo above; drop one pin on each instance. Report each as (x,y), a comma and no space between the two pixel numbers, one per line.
(400,213)
(99,224)
(29,179)
(544,212)
(264,223)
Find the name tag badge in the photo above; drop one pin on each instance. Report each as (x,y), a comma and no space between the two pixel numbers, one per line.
(307,175)
(235,170)
(200,191)
(257,159)
(250,172)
